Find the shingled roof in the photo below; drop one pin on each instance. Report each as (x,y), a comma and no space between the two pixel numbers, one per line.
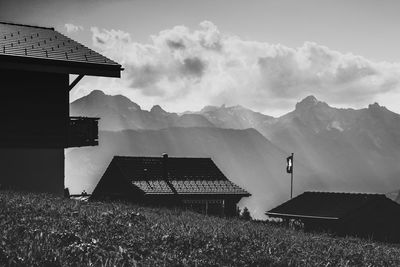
(324,205)
(29,47)
(187,175)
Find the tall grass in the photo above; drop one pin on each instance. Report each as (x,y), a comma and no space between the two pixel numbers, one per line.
(42,230)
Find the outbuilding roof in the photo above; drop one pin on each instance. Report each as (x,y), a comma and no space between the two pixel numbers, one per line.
(187,175)
(324,205)
(33,48)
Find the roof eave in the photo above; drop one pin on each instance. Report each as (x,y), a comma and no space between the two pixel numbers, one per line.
(274,214)
(59,66)
(200,193)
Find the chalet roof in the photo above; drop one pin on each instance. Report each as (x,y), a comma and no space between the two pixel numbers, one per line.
(324,205)
(27,47)
(187,175)
(190,187)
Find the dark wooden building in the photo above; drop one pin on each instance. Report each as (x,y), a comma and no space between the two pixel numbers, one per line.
(195,183)
(35,63)
(355,214)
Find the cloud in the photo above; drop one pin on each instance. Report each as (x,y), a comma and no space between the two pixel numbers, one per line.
(175,44)
(73,28)
(315,69)
(109,39)
(193,67)
(186,69)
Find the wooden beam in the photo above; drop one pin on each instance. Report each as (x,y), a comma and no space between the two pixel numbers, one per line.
(56,66)
(72,85)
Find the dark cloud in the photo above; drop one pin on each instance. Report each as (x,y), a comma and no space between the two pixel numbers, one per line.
(176,44)
(146,77)
(193,67)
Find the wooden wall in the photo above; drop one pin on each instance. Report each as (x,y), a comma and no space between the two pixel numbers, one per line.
(379,220)
(34,112)
(34,108)
(34,170)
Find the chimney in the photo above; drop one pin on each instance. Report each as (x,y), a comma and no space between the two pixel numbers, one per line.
(165,166)
(165,175)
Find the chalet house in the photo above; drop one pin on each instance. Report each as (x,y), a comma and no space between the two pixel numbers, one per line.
(195,183)
(35,63)
(364,215)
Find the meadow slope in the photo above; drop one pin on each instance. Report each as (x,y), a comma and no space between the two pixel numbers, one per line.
(42,230)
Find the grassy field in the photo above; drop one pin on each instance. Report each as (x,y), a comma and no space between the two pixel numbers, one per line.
(41,230)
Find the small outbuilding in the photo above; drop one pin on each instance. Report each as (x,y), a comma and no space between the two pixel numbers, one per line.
(194,183)
(355,214)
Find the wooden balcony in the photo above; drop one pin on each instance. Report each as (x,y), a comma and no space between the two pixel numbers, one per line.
(83,131)
(48,132)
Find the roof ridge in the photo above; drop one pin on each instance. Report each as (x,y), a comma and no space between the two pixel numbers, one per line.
(344,193)
(26,25)
(159,157)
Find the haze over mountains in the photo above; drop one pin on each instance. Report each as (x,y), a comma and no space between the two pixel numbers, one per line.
(335,149)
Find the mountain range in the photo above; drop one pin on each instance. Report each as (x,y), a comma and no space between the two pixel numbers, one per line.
(335,149)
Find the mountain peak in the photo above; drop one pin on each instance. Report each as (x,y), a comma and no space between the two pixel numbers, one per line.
(157,109)
(97,92)
(238,107)
(375,107)
(208,108)
(309,101)
(99,98)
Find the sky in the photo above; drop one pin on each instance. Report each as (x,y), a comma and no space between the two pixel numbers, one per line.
(264,55)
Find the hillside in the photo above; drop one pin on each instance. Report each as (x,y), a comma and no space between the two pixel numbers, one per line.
(41,230)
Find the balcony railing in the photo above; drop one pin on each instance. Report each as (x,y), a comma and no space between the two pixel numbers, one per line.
(83,131)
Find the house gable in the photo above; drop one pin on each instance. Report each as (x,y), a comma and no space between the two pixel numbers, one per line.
(114,185)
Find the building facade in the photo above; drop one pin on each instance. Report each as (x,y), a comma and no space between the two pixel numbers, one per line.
(356,214)
(193,183)
(35,64)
